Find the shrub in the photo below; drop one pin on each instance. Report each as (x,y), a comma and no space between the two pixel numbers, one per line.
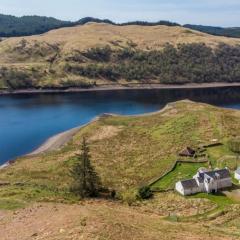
(129,197)
(145,192)
(234,144)
(99,54)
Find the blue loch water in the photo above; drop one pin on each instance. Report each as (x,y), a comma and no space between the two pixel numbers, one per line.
(27,120)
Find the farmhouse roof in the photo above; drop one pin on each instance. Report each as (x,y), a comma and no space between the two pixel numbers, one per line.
(222,174)
(189,184)
(200,179)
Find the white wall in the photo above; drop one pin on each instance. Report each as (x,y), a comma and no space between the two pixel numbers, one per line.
(237,176)
(219,184)
(179,188)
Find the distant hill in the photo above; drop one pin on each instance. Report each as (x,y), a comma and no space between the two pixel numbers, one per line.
(11,26)
(219,31)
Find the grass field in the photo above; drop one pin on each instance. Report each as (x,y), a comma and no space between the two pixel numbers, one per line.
(182,171)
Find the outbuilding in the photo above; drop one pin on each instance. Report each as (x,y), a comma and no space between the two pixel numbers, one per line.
(187,187)
(187,152)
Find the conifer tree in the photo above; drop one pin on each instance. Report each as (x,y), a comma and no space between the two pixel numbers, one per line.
(86,180)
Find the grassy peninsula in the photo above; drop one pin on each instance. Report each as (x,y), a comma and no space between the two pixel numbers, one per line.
(127,153)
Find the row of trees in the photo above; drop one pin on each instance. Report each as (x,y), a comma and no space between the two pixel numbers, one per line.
(185,63)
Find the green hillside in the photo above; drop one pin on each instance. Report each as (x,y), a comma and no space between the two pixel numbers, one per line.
(128,153)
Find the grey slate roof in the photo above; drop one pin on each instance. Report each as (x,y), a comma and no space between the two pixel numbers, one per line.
(200,179)
(189,184)
(223,173)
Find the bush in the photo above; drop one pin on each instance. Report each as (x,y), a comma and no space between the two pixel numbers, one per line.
(129,196)
(145,192)
(99,54)
(234,145)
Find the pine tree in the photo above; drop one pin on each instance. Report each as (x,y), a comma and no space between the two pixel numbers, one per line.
(86,180)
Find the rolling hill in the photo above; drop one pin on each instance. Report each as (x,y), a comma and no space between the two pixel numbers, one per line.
(100,53)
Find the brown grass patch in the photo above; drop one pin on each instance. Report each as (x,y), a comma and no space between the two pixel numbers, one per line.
(105,132)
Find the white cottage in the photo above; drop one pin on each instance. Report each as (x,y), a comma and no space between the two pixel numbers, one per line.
(237,174)
(205,181)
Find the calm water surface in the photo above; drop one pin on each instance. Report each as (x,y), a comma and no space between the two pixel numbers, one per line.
(26,121)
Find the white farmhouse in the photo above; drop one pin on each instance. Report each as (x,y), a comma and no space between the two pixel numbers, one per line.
(205,181)
(237,174)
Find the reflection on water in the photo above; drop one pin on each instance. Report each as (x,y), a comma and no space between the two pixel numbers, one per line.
(28,120)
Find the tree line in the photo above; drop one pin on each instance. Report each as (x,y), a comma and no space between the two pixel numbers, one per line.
(218,31)
(186,63)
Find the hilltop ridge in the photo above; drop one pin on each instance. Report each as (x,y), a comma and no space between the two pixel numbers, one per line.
(92,34)
(12,26)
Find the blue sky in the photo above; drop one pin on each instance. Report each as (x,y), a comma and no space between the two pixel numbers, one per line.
(208,12)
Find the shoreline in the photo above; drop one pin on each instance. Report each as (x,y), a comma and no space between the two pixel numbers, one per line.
(109,87)
(57,141)
(53,143)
